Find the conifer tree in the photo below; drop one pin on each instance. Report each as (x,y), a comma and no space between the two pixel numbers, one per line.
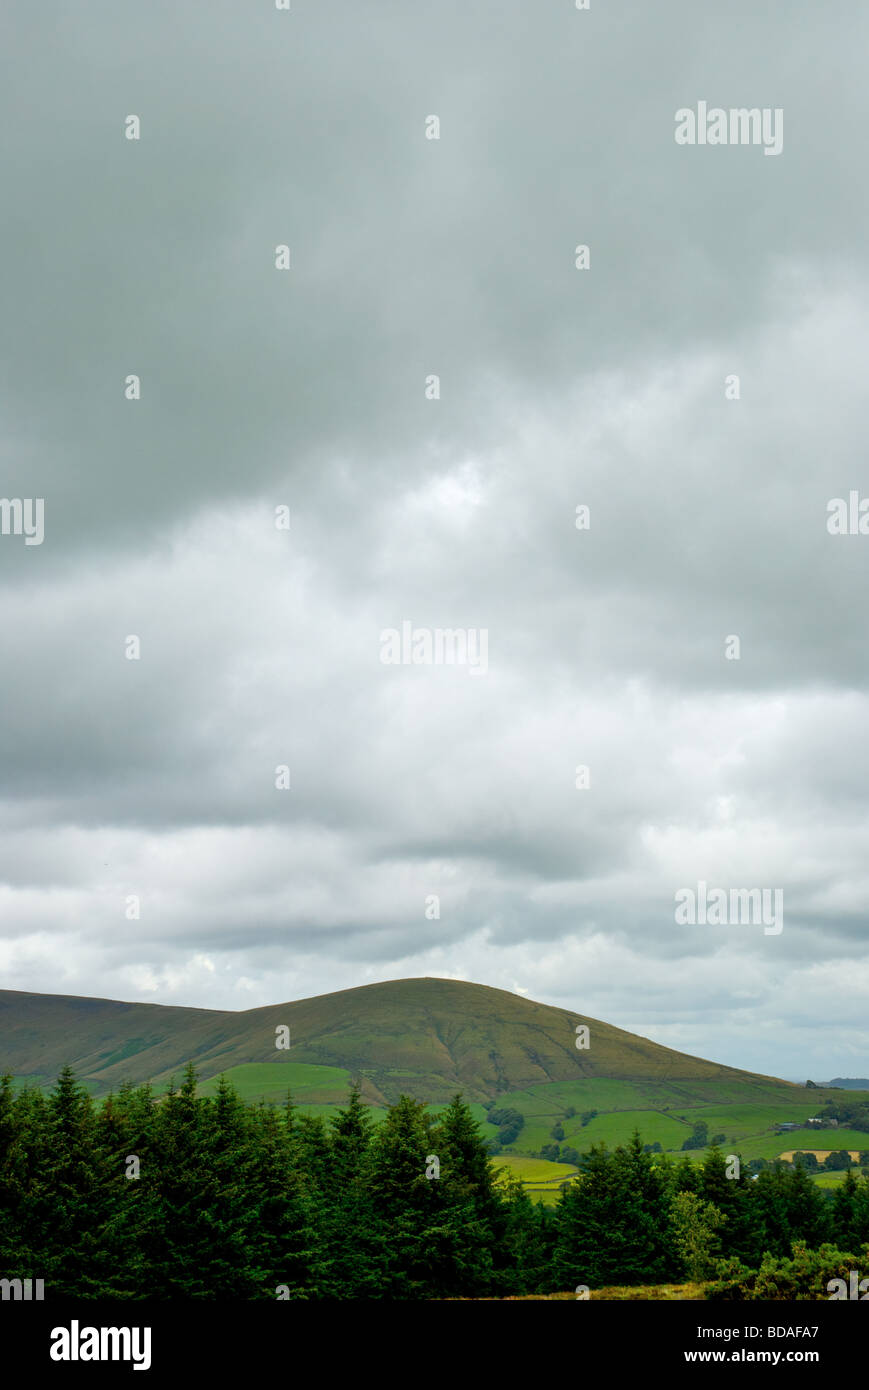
(177,1193)
(843,1214)
(584,1217)
(613,1222)
(229,1196)
(525,1263)
(788,1207)
(474,1217)
(861,1212)
(647,1253)
(12,1253)
(808,1210)
(289,1251)
(732,1197)
(404,1201)
(357,1253)
(72,1200)
(682,1176)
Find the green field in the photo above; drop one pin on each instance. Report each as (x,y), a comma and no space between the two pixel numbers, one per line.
(534,1171)
(771,1145)
(831,1179)
(270,1081)
(664,1113)
(541,1177)
(46,1084)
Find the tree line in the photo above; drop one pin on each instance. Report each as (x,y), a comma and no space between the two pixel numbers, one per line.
(189,1197)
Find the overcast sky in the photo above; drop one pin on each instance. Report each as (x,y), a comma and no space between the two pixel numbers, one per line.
(412,257)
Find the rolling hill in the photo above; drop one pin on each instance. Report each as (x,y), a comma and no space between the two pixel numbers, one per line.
(426,1037)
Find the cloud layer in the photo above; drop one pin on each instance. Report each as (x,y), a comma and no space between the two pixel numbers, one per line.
(260,647)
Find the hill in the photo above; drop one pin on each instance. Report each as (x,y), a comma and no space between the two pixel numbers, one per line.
(426,1037)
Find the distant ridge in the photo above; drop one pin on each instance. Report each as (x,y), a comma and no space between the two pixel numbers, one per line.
(426,1037)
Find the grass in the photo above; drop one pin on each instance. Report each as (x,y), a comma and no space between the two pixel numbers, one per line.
(657,1292)
(773,1145)
(534,1170)
(832,1179)
(42,1082)
(270,1081)
(541,1178)
(617,1129)
(664,1113)
(431,1037)
(661,1293)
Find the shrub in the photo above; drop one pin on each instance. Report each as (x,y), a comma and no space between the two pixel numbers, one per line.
(699,1136)
(837,1160)
(509,1122)
(803,1276)
(808,1160)
(695,1224)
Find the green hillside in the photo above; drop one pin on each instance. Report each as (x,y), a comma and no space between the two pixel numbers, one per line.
(426,1037)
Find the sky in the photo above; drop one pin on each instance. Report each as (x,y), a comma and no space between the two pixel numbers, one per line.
(398,429)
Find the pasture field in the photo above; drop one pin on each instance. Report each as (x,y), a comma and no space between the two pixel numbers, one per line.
(774,1145)
(598,1093)
(39,1082)
(665,1112)
(534,1170)
(617,1128)
(540,1177)
(832,1179)
(741,1121)
(270,1081)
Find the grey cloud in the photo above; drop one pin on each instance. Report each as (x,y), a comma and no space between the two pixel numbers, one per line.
(559,387)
